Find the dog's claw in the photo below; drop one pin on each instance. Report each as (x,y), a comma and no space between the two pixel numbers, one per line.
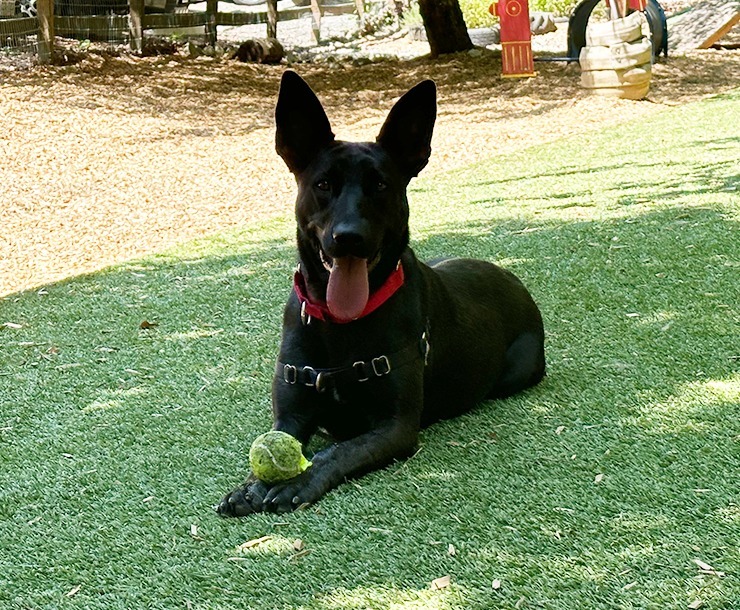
(243,501)
(287,496)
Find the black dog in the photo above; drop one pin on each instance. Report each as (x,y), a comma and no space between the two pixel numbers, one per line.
(376,344)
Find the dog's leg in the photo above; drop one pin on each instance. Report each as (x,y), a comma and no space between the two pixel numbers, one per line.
(331,466)
(394,439)
(390,439)
(249,497)
(525,365)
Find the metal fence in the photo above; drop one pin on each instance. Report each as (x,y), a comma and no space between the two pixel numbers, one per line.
(29,28)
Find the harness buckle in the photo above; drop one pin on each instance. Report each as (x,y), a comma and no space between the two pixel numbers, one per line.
(311,374)
(290,374)
(305,317)
(319,384)
(359,368)
(381,365)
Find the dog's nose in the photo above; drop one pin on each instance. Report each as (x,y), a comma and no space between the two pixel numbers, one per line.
(348,239)
(348,236)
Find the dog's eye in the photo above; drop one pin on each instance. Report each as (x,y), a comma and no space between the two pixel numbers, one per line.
(323,185)
(381,186)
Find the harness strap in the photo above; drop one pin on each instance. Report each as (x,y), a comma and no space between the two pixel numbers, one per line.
(358,372)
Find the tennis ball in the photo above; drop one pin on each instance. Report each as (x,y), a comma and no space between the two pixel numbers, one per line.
(276,456)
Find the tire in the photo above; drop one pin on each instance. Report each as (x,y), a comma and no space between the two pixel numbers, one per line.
(658,27)
(484,37)
(606,33)
(582,12)
(616,57)
(627,92)
(639,75)
(248,2)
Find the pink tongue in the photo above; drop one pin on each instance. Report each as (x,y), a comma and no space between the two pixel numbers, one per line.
(348,290)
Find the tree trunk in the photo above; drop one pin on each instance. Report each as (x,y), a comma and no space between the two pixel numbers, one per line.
(445,26)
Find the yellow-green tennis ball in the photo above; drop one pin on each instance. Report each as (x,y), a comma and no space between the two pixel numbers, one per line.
(277,456)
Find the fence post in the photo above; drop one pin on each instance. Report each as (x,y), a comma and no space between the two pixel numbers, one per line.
(360,6)
(272,18)
(136,25)
(45,14)
(211,13)
(316,14)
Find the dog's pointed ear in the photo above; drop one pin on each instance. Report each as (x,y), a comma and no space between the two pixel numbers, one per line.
(303,128)
(406,134)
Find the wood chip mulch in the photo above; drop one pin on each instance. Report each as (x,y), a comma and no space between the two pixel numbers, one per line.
(117,157)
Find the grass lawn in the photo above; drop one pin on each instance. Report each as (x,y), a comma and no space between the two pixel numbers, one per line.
(613,484)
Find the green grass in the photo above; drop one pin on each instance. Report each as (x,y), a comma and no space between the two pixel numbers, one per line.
(476,12)
(116,441)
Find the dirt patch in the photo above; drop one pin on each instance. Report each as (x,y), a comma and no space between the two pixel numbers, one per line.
(116,157)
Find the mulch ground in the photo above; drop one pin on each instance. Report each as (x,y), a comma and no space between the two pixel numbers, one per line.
(117,157)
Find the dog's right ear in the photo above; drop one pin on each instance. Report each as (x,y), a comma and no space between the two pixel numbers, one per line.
(303,128)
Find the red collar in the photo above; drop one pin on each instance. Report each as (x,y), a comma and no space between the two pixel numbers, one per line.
(319,309)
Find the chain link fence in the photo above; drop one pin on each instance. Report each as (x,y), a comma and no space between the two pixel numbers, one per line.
(30,29)
(18,31)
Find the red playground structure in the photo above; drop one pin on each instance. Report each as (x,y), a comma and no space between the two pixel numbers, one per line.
(516,38)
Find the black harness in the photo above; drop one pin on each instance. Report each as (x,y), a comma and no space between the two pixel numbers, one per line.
(359,371)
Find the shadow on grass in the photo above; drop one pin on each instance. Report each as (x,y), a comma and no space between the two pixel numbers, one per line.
(696,179)
(615,470)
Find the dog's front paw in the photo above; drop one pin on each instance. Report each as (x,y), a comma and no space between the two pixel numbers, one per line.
(294,493)
(244,500)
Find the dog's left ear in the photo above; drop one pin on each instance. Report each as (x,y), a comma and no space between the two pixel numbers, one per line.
(303,128)
(406,134)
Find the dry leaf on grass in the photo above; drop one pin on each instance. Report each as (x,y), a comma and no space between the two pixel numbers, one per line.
(696,604)
(598,478)
(299,554)
(451,550)
(441,583)
(705,568)
(300,550)
(73,591)
(250,544)
(68,366)
(146,325)
(496,584)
